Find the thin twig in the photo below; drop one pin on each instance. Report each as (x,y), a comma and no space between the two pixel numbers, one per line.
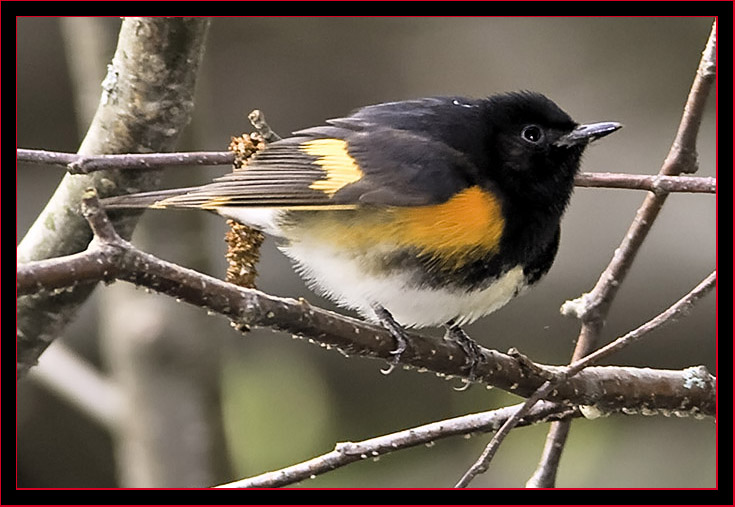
(483,462)
(85,164)
(657,183)
(257,118)
(593,308)
(348,452)
(545,474)
(681,158)
(98,221)
(674,311)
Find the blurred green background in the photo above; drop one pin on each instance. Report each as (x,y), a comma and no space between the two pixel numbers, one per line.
(284,400)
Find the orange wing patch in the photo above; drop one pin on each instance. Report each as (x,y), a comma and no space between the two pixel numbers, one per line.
(339,167)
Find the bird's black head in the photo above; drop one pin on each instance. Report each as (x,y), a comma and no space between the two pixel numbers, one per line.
(535,148)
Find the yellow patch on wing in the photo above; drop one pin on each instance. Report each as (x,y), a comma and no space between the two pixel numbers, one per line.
(211,204)
(339,167)
(216,202)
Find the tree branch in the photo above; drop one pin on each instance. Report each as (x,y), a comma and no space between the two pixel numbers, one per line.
(135,114)
(665,317)
(502,421)
(657,184)
(76,163)
(115,259)
(85,164)
(345,453)
(545,474)
(681,158)
(257,118)
(592,308)
(79,383)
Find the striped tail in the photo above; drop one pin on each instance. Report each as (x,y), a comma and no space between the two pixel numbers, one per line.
(144,199)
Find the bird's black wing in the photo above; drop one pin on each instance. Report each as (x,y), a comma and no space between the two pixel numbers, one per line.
(381,155)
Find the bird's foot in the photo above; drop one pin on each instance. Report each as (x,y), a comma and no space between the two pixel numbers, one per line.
(398,333)
(471,349)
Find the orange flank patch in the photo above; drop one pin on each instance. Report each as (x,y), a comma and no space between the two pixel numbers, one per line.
(472,219)
(450,232)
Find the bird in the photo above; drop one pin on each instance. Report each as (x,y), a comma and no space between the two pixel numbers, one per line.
(417,213)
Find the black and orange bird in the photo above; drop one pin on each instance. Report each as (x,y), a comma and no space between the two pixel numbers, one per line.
(428,212)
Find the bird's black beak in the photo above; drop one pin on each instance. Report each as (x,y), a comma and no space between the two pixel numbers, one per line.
(588,133)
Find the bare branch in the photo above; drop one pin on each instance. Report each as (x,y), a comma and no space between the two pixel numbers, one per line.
(85,164)
(120,260)
(672,313)
(657,184)
(79,383)
(545,474)
(667,316)
(135,114)
(257,118)
(348,452)
(503,420)
(681,158)
(76,163)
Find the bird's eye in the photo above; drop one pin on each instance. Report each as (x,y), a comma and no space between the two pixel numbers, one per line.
(532,134)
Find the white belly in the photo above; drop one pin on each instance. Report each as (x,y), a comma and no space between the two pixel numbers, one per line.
(350,283)
(345,281)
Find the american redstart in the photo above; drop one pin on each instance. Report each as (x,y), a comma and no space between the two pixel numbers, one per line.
(425,212)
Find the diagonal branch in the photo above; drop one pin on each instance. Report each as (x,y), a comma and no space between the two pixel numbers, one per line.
(674,311)
(135,114)
(682,158)
(113,258)
(502,420)
(592,308)
(345,453)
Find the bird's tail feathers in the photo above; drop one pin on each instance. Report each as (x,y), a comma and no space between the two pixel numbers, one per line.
(144,199)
